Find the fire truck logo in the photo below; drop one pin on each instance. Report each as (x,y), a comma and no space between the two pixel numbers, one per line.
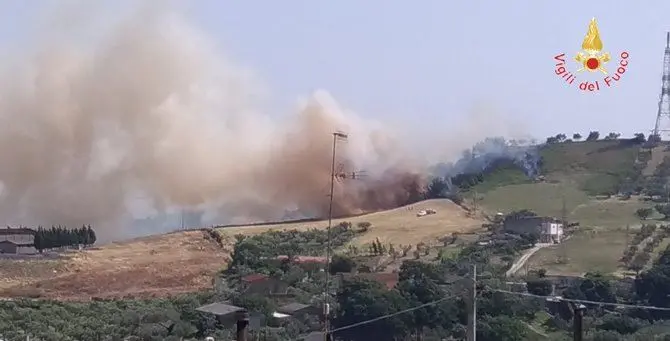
(591,57)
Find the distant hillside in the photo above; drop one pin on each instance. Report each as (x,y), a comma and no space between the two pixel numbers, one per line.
(598,184)
(603,167)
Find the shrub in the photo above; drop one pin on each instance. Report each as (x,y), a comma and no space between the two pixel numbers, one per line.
(341,263)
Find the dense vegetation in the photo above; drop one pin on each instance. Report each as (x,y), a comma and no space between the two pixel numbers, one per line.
(501,315)
(60,236)
(104,320)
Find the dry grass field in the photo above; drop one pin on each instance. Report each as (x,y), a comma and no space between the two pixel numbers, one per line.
(397,226)
(146,267)
(174,263)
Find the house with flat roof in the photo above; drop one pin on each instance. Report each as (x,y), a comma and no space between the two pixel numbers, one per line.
(17,240)
(549,229)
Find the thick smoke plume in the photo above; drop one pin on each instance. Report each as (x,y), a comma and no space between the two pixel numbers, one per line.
(147,118)
(150,115)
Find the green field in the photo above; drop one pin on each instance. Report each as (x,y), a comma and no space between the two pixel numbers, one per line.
(597,244)
(587,251)
(542,198)
(574,172)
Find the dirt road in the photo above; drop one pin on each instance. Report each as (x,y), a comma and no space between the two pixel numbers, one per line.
(524,258)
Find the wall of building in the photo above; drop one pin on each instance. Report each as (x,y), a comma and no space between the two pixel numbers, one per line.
(553,231)
(8,247)
(18,238)
(525,225)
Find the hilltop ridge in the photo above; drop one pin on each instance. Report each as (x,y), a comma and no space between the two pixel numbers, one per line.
(570,174)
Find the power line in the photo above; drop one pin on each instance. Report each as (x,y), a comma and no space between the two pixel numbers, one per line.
(383,317)
(392,314)
(610,304)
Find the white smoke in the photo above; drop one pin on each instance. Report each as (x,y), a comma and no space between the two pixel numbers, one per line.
(146,114)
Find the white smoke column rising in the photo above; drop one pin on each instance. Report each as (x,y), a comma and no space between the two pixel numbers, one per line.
(152,108)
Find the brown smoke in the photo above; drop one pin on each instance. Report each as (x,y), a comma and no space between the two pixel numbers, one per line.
(152,110)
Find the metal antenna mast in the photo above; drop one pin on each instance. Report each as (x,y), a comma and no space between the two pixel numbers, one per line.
(664,98)
(326,306)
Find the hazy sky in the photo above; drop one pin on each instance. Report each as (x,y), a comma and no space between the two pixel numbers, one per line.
(427,64)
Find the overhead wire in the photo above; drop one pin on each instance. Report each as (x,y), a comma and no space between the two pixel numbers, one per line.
(392,314)
(383,317)
(561,299)
(546,298)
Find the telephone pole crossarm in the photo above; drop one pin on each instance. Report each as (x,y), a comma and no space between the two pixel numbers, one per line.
(326,292)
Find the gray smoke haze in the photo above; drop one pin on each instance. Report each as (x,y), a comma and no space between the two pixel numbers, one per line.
(149,109)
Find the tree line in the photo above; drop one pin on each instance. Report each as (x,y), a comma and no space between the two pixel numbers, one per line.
(61,236)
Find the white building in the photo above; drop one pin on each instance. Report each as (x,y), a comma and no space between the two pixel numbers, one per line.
(551,232)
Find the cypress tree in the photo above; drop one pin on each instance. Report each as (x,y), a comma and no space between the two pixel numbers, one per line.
(39,239)
(91,235)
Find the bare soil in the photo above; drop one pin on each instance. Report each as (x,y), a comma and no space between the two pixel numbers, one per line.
(155,266)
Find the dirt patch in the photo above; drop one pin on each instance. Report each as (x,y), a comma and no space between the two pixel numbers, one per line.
(154,266)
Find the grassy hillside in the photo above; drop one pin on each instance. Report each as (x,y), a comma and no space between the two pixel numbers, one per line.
(398,226)
(577,175)
(598,167)
(181,262)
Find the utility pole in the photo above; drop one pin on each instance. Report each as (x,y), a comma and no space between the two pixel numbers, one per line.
(577,319)
(564,222)
(241,326)
(627,236)
(474,302)
(577,310)
(564,210)
(474,202)
(473,316)
(326,290)
(181,218)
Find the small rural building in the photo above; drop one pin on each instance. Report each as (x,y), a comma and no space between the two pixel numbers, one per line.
(17,240)
(228,314)
(549,229)
(7,246)
(299,309)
